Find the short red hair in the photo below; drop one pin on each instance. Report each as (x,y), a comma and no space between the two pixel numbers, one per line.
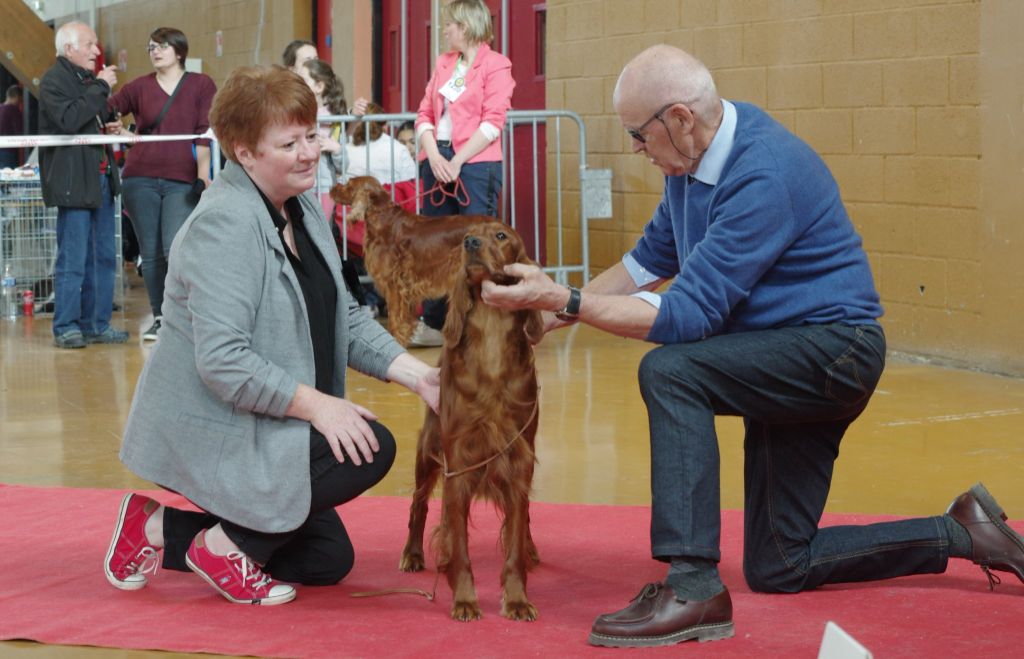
(255,98)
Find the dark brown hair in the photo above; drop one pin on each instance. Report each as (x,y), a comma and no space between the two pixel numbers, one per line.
(288,56)
(173,37)
(255,98)
(334,92)
(376,127)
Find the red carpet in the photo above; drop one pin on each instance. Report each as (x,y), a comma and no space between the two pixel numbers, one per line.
(52,590)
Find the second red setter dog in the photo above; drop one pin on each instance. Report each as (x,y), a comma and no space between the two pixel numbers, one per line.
(483,440)
(410,257)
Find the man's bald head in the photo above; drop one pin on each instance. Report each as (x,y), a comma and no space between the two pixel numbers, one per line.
(664,74)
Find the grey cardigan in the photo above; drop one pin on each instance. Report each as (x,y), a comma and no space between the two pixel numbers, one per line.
(207,419)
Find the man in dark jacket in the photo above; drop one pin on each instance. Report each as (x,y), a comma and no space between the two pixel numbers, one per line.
(81,181)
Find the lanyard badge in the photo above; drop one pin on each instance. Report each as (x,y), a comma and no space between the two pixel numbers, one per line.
(454,88)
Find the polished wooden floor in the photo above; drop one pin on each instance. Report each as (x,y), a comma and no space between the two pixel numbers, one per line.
(928,434)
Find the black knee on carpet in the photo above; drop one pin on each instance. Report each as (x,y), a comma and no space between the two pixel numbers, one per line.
(328,576)
(330,568)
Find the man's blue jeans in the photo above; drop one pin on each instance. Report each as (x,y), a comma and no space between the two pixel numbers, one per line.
(157,207)
(797,389)
(86,267)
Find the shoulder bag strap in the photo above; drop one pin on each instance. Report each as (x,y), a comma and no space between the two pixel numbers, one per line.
(167,106)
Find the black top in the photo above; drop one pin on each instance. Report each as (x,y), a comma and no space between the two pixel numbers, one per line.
(317,286)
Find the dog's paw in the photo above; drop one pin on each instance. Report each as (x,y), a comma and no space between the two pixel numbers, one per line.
(519,611)
(411,562)
(466,611)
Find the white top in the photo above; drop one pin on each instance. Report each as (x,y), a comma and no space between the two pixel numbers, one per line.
(380,160)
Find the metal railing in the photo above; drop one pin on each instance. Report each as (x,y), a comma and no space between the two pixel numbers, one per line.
(557,265)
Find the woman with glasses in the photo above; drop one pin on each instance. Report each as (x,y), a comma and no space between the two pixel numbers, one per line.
(162,180)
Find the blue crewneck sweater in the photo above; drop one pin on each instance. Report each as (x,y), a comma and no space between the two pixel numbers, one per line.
(770,245)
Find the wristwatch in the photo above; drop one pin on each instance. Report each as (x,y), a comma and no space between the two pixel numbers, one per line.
(571,312)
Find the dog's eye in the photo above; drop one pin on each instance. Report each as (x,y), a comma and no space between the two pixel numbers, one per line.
(501,235)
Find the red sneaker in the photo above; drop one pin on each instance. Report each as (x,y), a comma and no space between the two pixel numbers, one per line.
(235,576)
(130,556)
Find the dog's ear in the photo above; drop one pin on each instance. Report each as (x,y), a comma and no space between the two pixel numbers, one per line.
(378,197)
(339,193)
(534,325)
(460,303)
(357,211)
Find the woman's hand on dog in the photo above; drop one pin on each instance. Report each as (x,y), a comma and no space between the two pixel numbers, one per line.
(417,376)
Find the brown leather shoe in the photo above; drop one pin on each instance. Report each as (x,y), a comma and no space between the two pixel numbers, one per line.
(657,617)
(995,545)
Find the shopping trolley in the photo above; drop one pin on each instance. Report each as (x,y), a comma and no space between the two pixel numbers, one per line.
(28,238)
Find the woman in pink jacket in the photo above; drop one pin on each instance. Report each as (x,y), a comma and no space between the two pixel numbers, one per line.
(458,124)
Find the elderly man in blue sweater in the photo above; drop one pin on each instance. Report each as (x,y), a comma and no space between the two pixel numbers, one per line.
(771,315)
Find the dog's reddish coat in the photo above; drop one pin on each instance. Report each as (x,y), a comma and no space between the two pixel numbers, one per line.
(488,408)
(410,257)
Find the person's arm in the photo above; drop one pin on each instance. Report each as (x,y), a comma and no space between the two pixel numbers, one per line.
(203,163)
(208,89)
(418,377)
(498,86)
(343,423)
(605,303)
(477,143)
(426,123)
(439,165)
(124,101)
(72,109)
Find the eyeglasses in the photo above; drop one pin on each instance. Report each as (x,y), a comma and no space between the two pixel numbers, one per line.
(638,133)
(157,46)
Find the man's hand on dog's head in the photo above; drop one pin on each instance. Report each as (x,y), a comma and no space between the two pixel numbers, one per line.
(533,289)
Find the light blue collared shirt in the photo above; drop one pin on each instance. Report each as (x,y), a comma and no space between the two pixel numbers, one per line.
(708,172)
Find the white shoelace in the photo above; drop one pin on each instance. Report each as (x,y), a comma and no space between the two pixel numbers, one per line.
(145,562)
(249,570)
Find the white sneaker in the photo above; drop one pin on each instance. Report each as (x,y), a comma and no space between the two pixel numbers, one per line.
(425,337)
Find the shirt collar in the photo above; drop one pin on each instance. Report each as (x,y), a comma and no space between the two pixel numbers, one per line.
(713,161)
(291,204)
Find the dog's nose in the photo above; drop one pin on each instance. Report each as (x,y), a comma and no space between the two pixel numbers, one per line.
(471,243)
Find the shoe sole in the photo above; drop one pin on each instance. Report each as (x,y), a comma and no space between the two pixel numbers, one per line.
(114,581)
(92,341)
(703,633)
(998,516)
(267,601)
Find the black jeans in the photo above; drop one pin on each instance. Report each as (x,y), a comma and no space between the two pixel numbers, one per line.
(797,389)
(319,552)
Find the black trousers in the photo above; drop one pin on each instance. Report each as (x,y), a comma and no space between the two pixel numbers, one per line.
(319,552)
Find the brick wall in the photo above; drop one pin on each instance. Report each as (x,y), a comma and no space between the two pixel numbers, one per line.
(246,41)
(886,90)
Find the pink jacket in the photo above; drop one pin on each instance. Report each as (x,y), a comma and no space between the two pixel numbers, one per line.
(488,97)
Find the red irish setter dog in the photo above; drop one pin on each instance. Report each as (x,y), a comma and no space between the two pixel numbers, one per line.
(482,442)
(410,257)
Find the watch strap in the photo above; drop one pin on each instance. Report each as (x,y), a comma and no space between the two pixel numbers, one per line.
(572,307)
